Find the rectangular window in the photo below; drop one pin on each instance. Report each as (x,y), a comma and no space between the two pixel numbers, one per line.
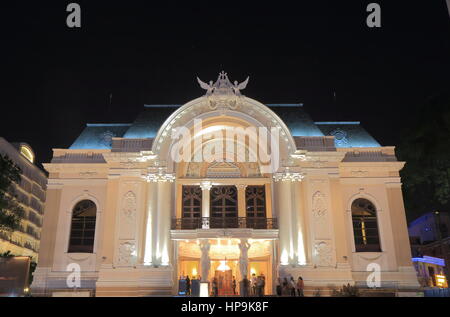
(223,207)
(191,207)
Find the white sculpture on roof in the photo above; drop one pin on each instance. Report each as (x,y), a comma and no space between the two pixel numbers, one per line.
(223,94)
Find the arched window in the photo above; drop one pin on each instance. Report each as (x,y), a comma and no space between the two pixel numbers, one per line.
(365,226)
(82,231)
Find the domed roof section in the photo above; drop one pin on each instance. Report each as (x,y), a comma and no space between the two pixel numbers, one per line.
(348,134)
(149,121)
(296,119)
(300,124)
(223,95)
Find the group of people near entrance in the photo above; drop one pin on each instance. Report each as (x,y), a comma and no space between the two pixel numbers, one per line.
(188,283)
(290,287)
(255,286)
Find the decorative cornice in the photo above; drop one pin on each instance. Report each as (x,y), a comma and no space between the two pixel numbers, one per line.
(160,176)
(287,175)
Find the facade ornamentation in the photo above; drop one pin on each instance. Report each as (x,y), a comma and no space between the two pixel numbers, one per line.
(287,175)
(319,164)
(128,164)
(193,170)
(205,261)
(243,259)
(324,253)
(319,206)
(223,170)
(106,138)
(360,173)
(88,174)
(127,251)
(160,176)
(340,137)
(206,185)
(129,206)
(223,95)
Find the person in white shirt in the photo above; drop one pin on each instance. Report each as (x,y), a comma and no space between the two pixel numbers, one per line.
(254,282)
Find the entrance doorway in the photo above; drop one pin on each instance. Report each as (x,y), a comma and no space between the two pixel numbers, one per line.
(224,266)
(224,282)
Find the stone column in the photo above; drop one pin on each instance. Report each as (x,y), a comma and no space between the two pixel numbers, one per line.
(299,225)
(243,258)
(150,229)
(241,200)
(164,204)
(206,187)
(205,261)
(284,208)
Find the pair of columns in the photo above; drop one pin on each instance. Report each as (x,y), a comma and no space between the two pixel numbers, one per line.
(206,188)
(291,222)
(205,260)
(157,239)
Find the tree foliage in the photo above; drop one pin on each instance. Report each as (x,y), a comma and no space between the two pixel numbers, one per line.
(11,212)
(425,147)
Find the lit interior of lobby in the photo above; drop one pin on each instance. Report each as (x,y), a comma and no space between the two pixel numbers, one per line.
(224,257)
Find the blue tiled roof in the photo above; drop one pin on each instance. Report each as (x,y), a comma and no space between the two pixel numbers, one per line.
(98,136)
(148,122)
(296,119)
(348,134)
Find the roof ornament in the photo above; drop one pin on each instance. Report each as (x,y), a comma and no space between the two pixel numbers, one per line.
(223,94)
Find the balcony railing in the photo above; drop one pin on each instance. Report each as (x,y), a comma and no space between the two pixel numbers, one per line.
(224,222)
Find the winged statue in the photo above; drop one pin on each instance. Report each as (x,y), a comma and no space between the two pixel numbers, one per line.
(223,86)
(238,87)
(208,87)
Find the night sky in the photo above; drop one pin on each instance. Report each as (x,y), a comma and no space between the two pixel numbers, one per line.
(56,79)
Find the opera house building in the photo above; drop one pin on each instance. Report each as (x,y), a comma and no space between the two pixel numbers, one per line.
(223,187)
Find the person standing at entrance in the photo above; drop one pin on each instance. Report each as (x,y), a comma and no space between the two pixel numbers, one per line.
(292,286)
(279,287)
(188,285)
(254,282)
(215,287)
(245,286)
(285,289)
(234,285)
(300,286)
(260,286)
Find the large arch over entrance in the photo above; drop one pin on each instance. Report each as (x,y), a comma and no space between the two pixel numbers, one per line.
(249,113)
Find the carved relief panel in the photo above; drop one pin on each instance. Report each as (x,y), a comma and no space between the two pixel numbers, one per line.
(127,253)
(130,215)
(322,234)
(324,253)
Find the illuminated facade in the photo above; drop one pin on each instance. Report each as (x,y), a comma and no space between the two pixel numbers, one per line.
(31,197)
(135,218)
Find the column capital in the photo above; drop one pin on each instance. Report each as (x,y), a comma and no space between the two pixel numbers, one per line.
(206,185)
(242,186)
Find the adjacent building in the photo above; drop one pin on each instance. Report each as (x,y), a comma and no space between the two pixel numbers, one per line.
(430,243)
(30,194)
(223,186)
